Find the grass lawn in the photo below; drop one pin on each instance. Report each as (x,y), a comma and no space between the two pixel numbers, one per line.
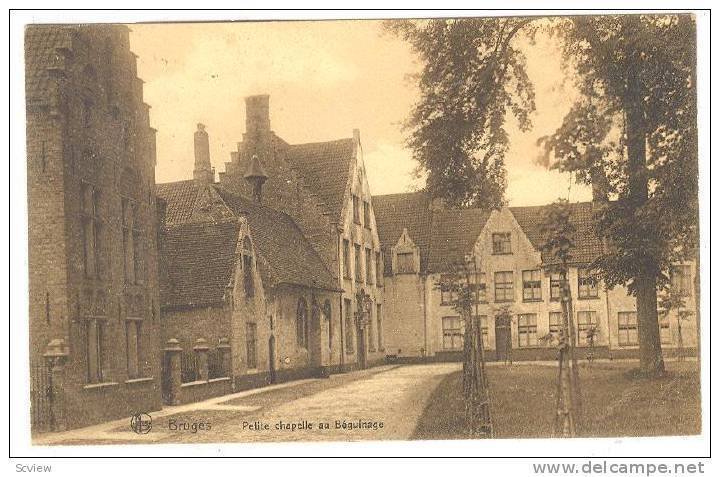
(615,402)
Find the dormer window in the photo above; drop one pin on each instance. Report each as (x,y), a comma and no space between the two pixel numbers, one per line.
(501,243)
(406,262)
(405,255)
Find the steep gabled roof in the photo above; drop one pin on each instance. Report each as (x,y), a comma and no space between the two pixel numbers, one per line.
(444,236)
(198,263)
(289,257)
(181,198)
(325,166)
(395,212)
(454,233)
(587,246)
(198,245)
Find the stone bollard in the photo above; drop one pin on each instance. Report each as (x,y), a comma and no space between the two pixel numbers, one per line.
(56,355)
(201,352)
(225,356)
(172,372)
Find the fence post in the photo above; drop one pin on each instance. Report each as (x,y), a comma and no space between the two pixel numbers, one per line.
(56,354)
(225,356)
(172,351)
(201,351)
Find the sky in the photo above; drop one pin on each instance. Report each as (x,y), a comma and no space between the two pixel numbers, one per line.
(324,78)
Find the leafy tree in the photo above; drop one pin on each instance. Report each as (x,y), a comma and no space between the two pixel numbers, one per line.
(461,284)
(557,243)
(632,134)
(473,77)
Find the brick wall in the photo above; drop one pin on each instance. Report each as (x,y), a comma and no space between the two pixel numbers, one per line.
(90,126)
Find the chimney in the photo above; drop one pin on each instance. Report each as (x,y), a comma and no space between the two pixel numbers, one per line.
(257,115)
(256,176)
(203,172)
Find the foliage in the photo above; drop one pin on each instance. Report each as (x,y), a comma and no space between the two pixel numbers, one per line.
(558,231)
(633,132)
(473,77)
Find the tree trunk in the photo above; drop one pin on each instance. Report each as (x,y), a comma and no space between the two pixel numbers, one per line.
(651,359)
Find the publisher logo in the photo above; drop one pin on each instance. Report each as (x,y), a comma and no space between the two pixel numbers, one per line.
(141,423)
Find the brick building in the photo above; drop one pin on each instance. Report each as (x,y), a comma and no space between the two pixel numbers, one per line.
(266,265)
(94,302)
(323,187)
(421,242)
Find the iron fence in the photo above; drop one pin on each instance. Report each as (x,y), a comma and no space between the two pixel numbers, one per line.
(41,398)
(189,367)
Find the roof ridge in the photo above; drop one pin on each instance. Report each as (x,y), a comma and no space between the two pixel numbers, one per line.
(399,194)
(315,143)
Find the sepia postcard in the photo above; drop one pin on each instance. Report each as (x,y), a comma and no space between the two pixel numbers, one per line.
(474,227)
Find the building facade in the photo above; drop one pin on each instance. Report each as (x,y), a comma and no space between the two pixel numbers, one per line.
(94,300)
(243,289)
(323,186)
(518,294)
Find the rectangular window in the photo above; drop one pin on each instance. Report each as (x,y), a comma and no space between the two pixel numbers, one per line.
(478,290)
(587,327)
(448,290)
(665,332)
(138,262)
(627,328)
(358,265)
(380,343)
(405,262)
(532,285)
(527,330)
(369,267)
(91,229)
(501,243)
(484,330)
(346,259)
(366,214)
(95,350)
(587,284)
(504,290)
(132,348)
(379,271)
(128,247)
(555,287)
(556,323)
(356,209)
(681,279)
(251,344)
(453,331)
(349,344)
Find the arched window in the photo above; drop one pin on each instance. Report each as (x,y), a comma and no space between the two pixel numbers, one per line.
(327,313)
(301,325)
(247,264)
